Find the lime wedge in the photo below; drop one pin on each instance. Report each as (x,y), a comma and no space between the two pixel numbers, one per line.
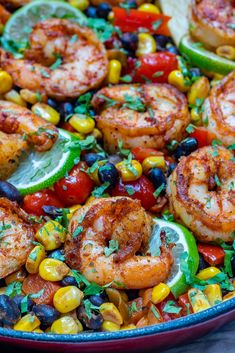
(184,243)
(204,59)
(39,170)
(21,22)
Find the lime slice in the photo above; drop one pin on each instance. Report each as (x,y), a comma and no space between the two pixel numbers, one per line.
(21,22)
(184,243)
(39,170)
(204,59)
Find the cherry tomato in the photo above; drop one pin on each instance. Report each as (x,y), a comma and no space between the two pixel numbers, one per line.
(213,254)
(33,204)
(133,20)
(141,189)
(185,304)
(76,187)
(140,153)
(167,316)
(67,126)
(203,136)
(155,67)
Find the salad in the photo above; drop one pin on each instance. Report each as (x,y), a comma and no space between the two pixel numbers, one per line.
(117,173)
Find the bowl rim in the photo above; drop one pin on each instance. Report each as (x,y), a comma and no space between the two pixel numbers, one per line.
(91,337)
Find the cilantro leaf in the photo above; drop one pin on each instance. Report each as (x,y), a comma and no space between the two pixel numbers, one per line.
(113,246)
(171,307)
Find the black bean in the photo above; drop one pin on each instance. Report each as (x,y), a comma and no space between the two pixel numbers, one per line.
(108,173)
(94,322)
(129,41)
(9,311)
(171,168)
(97,300)
(66,109)
(161,40)
(18,301)
(158,179)
(202,263)
(132,294)
(69,281)
(91,11)
(46,314)
(52,103)
(186,147)
(103,10)
(10,192)
(91,158)
(52,211)
(195,72)
(172,49)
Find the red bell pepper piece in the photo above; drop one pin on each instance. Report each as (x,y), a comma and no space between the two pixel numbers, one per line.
(185,304)
(212,254)
(203,136)
(133,20)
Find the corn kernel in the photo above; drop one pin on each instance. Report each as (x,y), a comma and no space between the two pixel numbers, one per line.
(89,200)
(229,296)
(17,276)
(82,123)
(14,97)
(38,330)
(72,210)
(176,78)
(213,293)
(146,44)
(6,82)
(3,290)
(78,135)
(114,71)
(160,292)
(46,112)
(198,300)
(111,313)
(226,51)
(153,162)
(110,326)
(149,8)
(51,235)
(111,16)
(27,323)
(79,4)
(30,96)
(79,324)
(67,299)
(129,171)
(196,117)
(208,273)
(65,325)
(199,90)
(128,327)
(35,258)
(97,134)
(53,270)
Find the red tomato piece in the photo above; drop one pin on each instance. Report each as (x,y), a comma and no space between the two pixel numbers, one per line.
(76,187)
(155,67)
(33,204)
(141,189)
(66,126)
(203,136)
(166,315)
(185,304)
(213,254)
(132,20)
(140,153)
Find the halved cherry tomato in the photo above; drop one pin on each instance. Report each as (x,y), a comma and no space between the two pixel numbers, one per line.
(166,315)
(133,20)
(155,67)
(184,302)
(33,204)
(213,254)
(139,310)
(203,136)
(34,284)
(140,153)
(141,189)
(76,187)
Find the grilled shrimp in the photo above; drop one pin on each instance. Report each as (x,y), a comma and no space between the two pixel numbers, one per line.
(148,115)
(124,221)
(201,192)
(15,119)
(211,22)
(16,235)
(82,59)
(219,110)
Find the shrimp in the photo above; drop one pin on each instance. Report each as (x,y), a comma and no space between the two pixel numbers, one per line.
(201,193)
(16,235)
(81,63)
(211,22)
(15,119)
(122,221)
(219,110)
(148,115)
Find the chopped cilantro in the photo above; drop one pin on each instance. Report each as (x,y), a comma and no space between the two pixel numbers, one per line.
(126,78)
(217,181)
(124,152)
(129,165)
(171,307)
(13,289)
(84,104)
(80,278)
(134,103)
(157,24)
(227,262)
(89,307)
(130,190)
(133,308)
(155,312)
(158,191)
(99,191)
(157,74)
(57,63)
(113,246)
(77,231)
(190,128)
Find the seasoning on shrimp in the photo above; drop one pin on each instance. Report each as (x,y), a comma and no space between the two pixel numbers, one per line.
(123,224)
